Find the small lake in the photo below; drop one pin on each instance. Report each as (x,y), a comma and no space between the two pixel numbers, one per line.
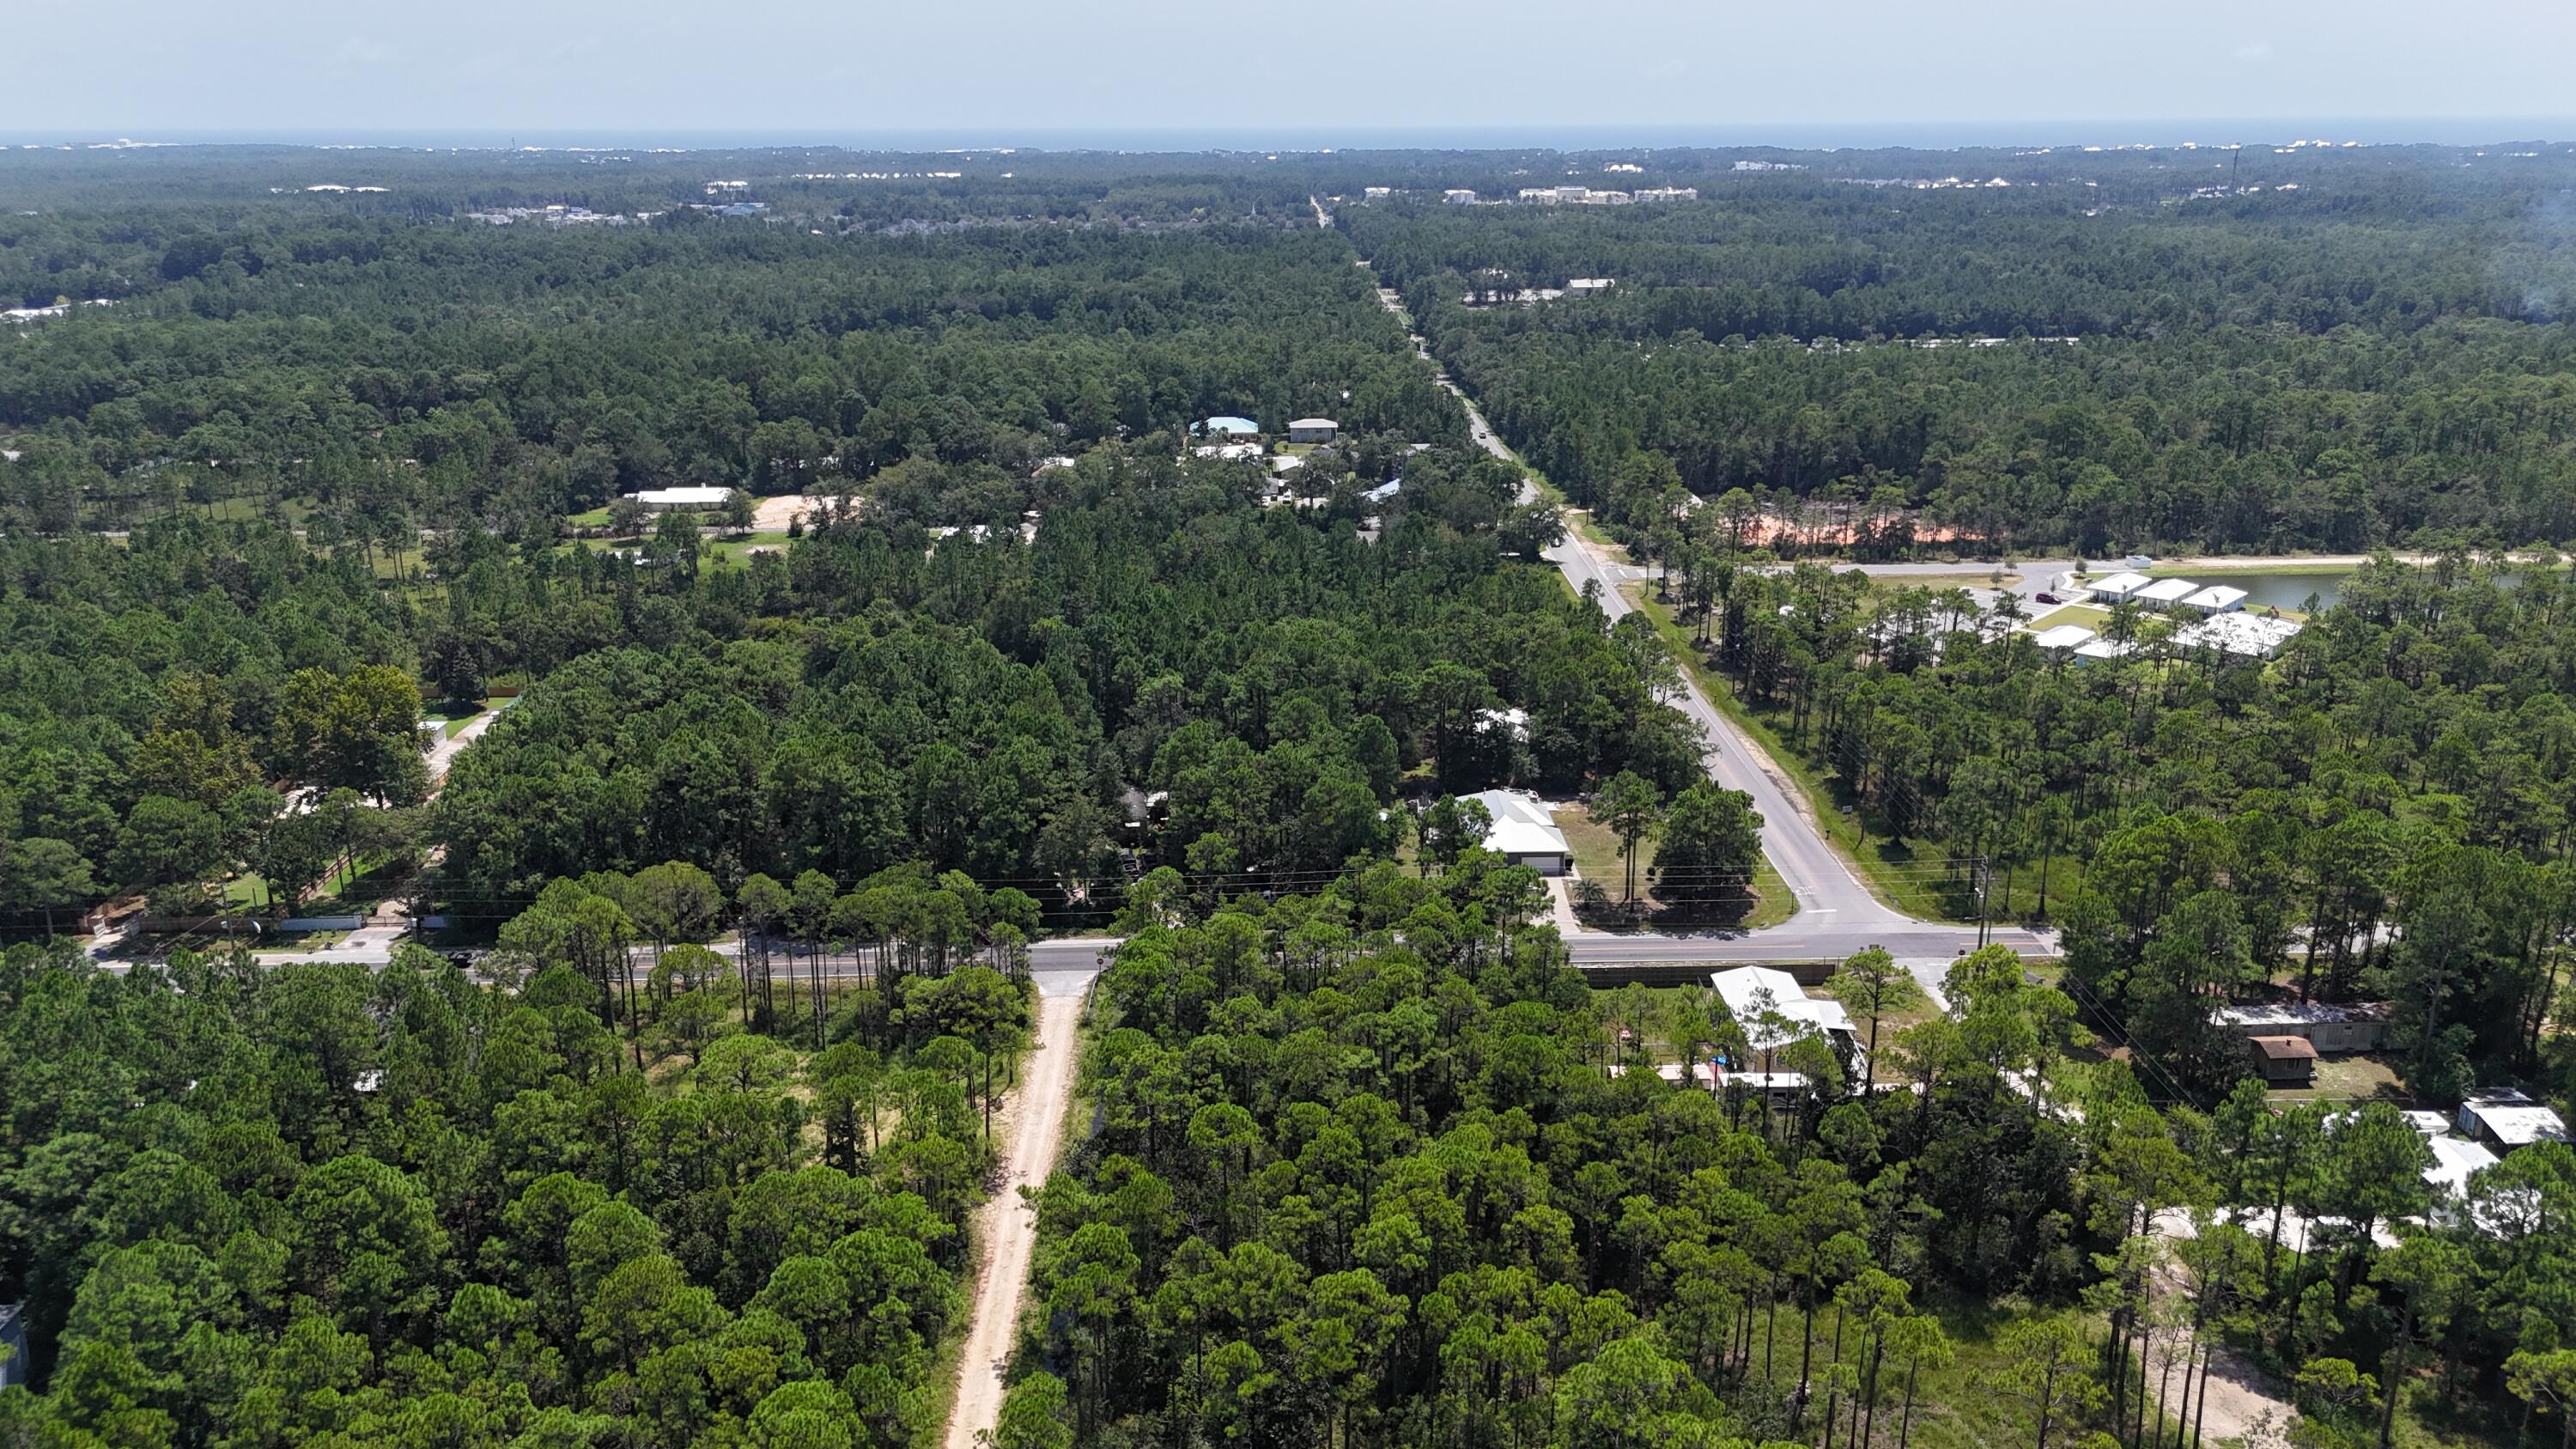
(2279,591)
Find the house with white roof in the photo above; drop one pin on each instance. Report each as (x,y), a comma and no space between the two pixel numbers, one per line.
(1773,1010)
(1313,430)
(2061,638)
(2101,651)
(1523,832)
(2164,593)
(690,498)
(2117,587)
(2247,636)
(2358,1026)
(2505,1118)
(2216,599)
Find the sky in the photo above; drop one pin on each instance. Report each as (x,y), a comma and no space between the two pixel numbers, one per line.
(989,71)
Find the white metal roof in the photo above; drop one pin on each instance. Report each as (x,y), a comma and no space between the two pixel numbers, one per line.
(1521,825)
(2515,1119)
(2254,635)
(2166,591)
(2103,649)
(1314,423)
(2217,598)
(2062,636)
(2454,1159)
(695,495)
(1752,991)
(2122,584)
(2293,1013)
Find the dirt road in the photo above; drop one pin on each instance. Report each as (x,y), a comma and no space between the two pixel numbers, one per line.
(1032,1132)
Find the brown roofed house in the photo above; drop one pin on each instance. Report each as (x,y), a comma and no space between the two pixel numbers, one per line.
(2284,1061)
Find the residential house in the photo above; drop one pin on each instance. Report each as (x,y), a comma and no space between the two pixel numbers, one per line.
(1313,430)
(2353,1027)
(1523,832)
(2164,593)
(2284,1061)
(2506,1118)
(2247,636)
(695,498)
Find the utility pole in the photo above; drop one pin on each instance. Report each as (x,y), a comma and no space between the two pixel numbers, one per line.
(1984,878)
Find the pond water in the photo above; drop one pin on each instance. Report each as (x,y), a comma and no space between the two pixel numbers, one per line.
(2278,591)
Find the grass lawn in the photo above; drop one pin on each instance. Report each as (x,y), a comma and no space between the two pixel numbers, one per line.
(1894,583)
(1596,858)
(2361,1077)
(1596,849)
(455,725)
(735,550)
(595,518)
(2087,615)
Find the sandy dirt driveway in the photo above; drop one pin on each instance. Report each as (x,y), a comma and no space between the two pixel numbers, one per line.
(1032,1133)
(773,515)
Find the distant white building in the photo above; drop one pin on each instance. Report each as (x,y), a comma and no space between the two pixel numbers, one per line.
(1668,193)
(1313,430)
(2247,636)
(1383,491)
(1376,193)
(1458,196)
(1523,832)
(1511,724)
(694,498)
(1227,451)
(2217,599)
(2061,637)
(1589,286)
(2118,586)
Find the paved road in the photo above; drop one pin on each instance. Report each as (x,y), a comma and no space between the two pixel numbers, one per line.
(1836,913)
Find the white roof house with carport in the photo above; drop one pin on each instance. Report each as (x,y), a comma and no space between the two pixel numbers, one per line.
(2217,599)
(2164,593)
(2117,587)
(1523,832)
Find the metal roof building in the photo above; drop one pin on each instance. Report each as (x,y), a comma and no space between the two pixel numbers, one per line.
(1523,832)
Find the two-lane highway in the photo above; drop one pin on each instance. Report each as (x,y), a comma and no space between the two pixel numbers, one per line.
(1837,914)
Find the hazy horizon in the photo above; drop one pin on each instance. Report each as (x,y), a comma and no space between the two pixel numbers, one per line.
(809,73)
(1799,136)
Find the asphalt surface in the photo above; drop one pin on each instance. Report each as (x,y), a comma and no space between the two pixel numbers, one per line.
(1836,913)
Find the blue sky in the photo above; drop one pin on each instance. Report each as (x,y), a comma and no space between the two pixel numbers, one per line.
(813,69)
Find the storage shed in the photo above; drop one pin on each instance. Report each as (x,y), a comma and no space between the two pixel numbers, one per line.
(2284,1061)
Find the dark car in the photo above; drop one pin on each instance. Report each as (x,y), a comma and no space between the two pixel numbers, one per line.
(2048,598)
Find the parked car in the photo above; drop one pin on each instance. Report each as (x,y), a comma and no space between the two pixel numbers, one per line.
(2048,598)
